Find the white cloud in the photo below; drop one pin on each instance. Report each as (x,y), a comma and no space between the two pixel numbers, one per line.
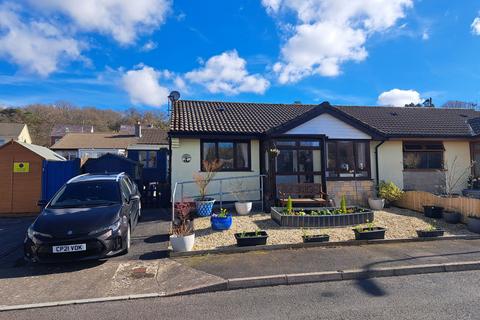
(122,19)
(399,98)
(149,46)
(36,46)
(227,73)
(328,33)
(476,26)
(143,87)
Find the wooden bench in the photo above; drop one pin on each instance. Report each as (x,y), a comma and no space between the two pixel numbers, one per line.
(303,194)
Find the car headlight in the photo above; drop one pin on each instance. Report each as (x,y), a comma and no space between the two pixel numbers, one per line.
(108,230)
(32,233)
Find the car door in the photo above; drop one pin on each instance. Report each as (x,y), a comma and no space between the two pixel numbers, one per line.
(132,204)
(127,204)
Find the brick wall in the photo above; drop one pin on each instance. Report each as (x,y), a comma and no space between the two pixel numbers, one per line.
(356,192)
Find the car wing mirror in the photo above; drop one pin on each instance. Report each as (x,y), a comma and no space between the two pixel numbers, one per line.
(134,197)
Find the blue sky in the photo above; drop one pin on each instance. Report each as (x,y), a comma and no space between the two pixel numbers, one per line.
(117,54)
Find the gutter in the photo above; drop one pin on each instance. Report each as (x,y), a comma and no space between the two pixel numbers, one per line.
(376,162)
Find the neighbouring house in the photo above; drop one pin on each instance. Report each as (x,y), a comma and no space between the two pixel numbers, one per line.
(60,130)
(93,145)
(21,172)
(14,131)
(346,149)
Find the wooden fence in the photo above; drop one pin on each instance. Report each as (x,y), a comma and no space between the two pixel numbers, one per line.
(415,200)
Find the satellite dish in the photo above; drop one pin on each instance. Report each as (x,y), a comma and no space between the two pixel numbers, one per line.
(174,96)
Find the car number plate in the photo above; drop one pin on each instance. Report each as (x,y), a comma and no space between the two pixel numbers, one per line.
(70,248)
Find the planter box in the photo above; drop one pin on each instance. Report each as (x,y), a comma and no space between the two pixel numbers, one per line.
(320,221)
(366,234)
(430,233)
(251,239)
(316,238)
(452,217)
(434,212)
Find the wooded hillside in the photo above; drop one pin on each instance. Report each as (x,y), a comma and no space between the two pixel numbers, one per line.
(41,118)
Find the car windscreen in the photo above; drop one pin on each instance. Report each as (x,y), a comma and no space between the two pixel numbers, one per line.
(87,194)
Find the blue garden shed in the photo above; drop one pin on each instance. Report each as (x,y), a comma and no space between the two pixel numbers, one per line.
(114,163)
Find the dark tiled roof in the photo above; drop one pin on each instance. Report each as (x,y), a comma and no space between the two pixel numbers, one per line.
(153,136)
(395,121)
(475,125)
(252,118)
(257,118)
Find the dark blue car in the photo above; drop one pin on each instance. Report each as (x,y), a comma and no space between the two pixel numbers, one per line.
(91,217)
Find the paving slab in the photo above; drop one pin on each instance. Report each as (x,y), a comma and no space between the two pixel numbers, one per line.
(321,259)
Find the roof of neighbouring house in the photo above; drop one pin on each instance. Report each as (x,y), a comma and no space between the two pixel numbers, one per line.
(11,130)
(94,141)
(211,117)
(153,136)
(59,130)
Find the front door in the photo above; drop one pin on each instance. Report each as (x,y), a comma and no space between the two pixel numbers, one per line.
(299,161)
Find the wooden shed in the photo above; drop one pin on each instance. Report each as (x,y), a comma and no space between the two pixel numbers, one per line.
(21,176)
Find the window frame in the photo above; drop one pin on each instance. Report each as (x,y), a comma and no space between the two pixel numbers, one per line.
(234,142)
(354,142)
(147,159)
(423,149)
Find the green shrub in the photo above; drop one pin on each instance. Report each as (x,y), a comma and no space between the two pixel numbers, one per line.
(343,205)
(389,191)
(289,205)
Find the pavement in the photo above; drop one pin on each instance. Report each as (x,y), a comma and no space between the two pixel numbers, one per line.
(440,296)
(326,259)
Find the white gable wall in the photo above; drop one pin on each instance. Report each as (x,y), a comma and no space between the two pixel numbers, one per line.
(330,126)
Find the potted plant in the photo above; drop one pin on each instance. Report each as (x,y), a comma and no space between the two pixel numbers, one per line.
(242,205)
(452,217)
(473,224)
(203,203)
(431,211)
(389,191)
(222,220)
(314,237)
(431,232)
(182,236)
(369,232)
(255,238)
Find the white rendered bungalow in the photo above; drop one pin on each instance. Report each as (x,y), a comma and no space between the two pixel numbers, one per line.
(347,150)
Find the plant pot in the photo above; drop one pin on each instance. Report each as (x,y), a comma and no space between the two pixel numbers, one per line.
(243,208)
(316,238)
(430,233)
(182,243)
(367,234)
(473,224)
(452,217)
(221,223)
(376,203)
(433,212)
(204,207)
(251,239)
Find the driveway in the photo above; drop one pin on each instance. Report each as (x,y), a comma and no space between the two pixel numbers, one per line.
(149,240)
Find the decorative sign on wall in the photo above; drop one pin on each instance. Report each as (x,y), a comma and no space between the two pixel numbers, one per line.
(20,167)
(186,158)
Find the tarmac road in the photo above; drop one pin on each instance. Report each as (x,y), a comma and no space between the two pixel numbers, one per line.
(428,296)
